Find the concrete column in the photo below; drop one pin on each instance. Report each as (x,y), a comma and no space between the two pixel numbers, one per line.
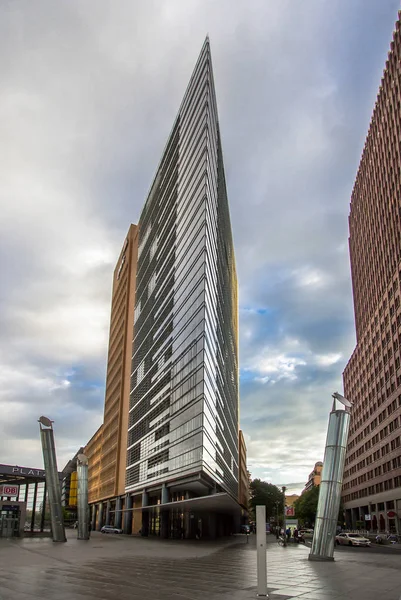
(165,494)
(100,516)
(118,515)
(93,521)
(145,514)
(35,493)
(212,525)
(127,528)
(42,518)
(108,506)
(164,514)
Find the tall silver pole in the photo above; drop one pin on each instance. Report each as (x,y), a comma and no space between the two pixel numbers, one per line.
(261,550)
(331,482)
(82,497)
(52,480)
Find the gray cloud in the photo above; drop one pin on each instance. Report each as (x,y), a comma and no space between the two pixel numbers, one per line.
(88,95)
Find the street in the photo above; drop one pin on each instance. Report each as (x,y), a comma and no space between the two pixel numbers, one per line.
(385,549)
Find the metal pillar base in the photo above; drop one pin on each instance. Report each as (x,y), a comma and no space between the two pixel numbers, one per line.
(320,558)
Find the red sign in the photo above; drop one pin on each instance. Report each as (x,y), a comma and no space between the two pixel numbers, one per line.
(391,514)
(9,490)
(289,511)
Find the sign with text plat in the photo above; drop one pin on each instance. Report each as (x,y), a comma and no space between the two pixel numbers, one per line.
(9,490)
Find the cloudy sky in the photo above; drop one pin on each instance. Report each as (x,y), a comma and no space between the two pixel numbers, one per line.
(88,93)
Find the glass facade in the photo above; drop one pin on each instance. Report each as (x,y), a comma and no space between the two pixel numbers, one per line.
(183,415)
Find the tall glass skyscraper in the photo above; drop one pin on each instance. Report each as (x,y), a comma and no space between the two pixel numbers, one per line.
(183,419)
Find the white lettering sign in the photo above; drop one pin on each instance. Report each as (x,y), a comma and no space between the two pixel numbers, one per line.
(34,472)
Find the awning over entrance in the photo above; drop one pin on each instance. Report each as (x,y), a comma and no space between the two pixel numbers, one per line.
(218,503)
(14,474)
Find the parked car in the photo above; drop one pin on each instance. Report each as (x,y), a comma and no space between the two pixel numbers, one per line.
(245,529)
(307,534)
(110,529)
(352,539)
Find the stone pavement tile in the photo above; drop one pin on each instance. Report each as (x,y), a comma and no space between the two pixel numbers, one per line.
(7,594)
(288,592)
(307,588)
(373,595)
(299,583)
(251,595)
(322,594)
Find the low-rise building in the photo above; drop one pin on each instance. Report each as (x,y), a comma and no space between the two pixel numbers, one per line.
(314,477)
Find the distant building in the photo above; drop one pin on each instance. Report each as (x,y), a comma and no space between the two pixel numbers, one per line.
(69,486)
(93,451)
(314,477)
(289,505)
(290,500)
(372,377)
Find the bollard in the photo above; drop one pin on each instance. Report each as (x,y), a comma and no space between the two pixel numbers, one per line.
(261,551)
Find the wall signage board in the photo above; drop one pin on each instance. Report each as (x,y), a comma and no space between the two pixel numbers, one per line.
(9,490)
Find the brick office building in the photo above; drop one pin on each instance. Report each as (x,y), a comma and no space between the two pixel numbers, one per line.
(372,377)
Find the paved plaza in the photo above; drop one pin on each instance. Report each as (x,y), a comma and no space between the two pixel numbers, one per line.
(126,568)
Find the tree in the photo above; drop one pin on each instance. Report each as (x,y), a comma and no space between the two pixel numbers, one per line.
(266,494)
(306,506)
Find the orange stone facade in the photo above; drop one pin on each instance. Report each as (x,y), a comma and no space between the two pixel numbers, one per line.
(107,449)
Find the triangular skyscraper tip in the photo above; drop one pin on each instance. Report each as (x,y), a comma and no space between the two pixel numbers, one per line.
(184,376)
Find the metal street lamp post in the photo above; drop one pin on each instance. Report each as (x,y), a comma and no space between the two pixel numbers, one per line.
(52,480)
(331,481)
(284,528)
(82,499)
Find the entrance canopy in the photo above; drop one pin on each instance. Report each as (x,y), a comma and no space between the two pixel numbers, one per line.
(16,475)
(215,503)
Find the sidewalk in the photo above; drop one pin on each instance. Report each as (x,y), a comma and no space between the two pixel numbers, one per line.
(127,568)
(353,575)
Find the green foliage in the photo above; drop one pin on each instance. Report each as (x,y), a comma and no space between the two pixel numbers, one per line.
(306,506)
(268,495)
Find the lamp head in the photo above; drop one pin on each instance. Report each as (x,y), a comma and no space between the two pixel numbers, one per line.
(343,400)
(45,421)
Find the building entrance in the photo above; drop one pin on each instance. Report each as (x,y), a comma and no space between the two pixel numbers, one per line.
(9,522)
